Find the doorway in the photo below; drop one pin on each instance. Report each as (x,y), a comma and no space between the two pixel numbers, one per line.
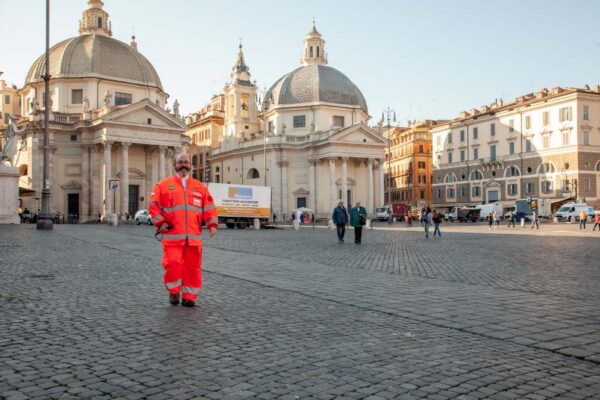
(134,195)
(73,206)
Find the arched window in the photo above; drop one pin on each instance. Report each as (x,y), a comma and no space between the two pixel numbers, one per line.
(253,174)
(450,178)
(99,22)
(512,171)
(476,175)
(194,160)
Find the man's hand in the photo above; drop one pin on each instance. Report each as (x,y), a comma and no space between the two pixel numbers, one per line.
(163,228)
(212,231)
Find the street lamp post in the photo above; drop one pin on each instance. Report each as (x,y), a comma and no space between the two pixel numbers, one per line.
(45,222)
(389,115)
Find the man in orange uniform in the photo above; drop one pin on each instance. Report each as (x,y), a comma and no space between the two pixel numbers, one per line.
(178,205)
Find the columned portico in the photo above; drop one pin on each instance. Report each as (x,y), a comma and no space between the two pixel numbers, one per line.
(161,162)
(344,181)
(332,194)
(369,185)
(85,183)
(381,184)
(95,178)
(124,177)
(107,175)
(312,184)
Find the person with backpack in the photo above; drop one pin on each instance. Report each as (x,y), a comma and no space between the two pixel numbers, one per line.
(358,219)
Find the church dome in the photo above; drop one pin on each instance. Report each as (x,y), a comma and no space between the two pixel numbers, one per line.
(316,83)
(96,56)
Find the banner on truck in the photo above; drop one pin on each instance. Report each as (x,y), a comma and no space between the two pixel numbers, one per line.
(241,201)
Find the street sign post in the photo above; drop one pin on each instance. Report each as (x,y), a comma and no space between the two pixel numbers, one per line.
(113,184)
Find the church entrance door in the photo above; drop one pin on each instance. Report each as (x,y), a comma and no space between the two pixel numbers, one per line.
(134,195)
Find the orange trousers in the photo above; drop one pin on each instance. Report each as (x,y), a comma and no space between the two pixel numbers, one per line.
(183,270)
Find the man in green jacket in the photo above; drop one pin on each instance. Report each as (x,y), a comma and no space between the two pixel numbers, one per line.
(358,218)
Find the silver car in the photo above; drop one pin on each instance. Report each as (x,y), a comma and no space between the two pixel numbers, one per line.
(142,217)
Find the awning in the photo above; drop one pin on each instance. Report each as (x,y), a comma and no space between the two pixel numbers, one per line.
(25,192)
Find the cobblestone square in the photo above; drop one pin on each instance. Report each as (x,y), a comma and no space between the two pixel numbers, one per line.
(293,314)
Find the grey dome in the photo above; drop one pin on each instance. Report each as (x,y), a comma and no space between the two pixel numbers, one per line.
(96,56)
(315,83)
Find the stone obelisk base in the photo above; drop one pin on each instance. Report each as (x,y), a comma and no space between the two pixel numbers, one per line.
(9,195)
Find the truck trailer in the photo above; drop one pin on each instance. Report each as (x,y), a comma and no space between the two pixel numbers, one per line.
(239,205)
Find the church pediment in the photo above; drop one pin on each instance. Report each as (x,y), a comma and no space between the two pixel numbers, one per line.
(356,134)
(144,112)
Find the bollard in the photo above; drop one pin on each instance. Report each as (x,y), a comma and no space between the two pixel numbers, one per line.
(296,225)
(256,224)
(522,222)
(368,224)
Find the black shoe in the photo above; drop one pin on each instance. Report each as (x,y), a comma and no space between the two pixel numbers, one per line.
(188,303)
(174,299)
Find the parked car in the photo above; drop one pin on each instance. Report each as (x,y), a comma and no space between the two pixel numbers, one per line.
(450,216)
(142,217)
(570,212)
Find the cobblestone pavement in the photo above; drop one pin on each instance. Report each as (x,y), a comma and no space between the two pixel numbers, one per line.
(293,314)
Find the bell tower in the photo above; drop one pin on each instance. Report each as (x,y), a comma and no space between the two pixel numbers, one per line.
(95,20)
(241,109)
(314,48)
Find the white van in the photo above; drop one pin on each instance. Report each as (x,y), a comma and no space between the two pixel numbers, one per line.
(486,210)
(570,211)
(382,213)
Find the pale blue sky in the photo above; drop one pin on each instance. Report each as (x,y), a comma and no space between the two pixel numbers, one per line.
(425,59)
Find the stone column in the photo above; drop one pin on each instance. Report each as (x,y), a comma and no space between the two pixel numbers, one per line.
(161,162)
(312,184)
(95,177)
(381,185)
(125,177)
(107,175)
(84,212)
(345,181)
(170,157)
(332,188)
(369,185)
(285,200)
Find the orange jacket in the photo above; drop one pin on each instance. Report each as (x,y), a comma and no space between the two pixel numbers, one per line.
(182,209)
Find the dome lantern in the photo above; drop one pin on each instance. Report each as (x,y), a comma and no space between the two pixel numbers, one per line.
(314,48)
(95,20)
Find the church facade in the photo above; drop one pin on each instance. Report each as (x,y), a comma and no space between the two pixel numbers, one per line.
(307,137)
(110,137)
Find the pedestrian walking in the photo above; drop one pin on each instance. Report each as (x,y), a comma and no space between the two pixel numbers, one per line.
(582,219)
(437,220)
(490,220)
(408,219)
(178,206)
(358,219)
(420,217)
(496,219)
(340,219)
(596,222)
(534,220)
(427,221)
(511,219)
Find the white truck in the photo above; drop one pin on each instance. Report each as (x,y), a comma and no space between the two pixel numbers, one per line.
(239,205)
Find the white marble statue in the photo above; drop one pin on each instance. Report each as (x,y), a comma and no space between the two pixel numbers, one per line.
(9,150)
(176,108)
(107,98)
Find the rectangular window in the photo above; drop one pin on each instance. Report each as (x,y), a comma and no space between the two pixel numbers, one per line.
(511,125)
(77,96)
(545,118)
(512,189)
(546,186)
(511,147)
(270,127)
(492,152)
(586,138)
(301,202)
(586,113)
(421,149)
(528,122)
(299,121)
(421,164)
(338,121)
(450,193)
(546,142)
(528,188)
(475,133)
(476,153)
(565,138)
(528,145)
(450,138)
(493,129)
(462,136)
(463,192)
(449,157)
(476,191)
(462,155)
(438,140)
(422,179)
(123,98)
(439,193)
(422,194)
(6,99)
(565,114)
(586,184)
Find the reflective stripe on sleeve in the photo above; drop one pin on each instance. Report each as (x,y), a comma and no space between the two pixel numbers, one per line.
(174,284)
(153,202)
(157,218)
(213,219)
(182,207)
(195,237)
(190,290)
(209,207)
